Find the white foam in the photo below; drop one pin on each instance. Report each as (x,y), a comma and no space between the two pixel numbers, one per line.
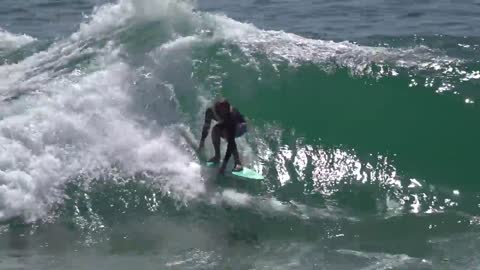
(9,41)
(383,260)
(82,126)
(235,198)
(179,44)
(105,19)
(72,123)
(116,15)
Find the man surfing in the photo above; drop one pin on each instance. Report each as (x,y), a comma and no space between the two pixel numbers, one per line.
(231,124)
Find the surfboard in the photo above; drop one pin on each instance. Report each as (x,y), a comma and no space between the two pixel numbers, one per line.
(246,173)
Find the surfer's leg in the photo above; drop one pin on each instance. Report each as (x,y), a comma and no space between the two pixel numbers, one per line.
(238,163)
(240,131)
(216,133)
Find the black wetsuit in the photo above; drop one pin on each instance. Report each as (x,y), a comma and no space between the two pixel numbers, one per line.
(229,124)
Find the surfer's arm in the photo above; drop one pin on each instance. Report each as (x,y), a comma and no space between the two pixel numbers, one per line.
(206,125)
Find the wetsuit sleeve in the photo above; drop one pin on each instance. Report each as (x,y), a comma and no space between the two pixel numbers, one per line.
(232,145)
(206,124)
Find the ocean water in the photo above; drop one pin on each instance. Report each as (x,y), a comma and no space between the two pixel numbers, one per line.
(363,117)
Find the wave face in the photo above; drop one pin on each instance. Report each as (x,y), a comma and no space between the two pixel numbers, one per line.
(369,148)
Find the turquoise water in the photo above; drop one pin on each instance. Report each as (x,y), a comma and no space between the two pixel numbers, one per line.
(362,118)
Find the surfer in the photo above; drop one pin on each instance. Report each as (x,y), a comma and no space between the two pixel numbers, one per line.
(231,124)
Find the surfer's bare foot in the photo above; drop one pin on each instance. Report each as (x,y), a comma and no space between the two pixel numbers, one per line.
(214,160)
(238,168)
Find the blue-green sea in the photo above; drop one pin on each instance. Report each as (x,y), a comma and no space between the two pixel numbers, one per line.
(363,117)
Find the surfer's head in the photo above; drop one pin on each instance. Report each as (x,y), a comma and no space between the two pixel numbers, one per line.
(222,107)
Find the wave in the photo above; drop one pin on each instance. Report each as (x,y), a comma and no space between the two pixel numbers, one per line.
(112,95)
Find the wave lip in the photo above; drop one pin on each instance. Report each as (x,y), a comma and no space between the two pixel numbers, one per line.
(280,47)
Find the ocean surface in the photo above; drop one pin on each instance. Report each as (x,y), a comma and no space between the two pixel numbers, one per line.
(363,116)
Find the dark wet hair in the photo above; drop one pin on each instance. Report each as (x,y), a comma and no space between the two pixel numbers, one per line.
(222,103)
